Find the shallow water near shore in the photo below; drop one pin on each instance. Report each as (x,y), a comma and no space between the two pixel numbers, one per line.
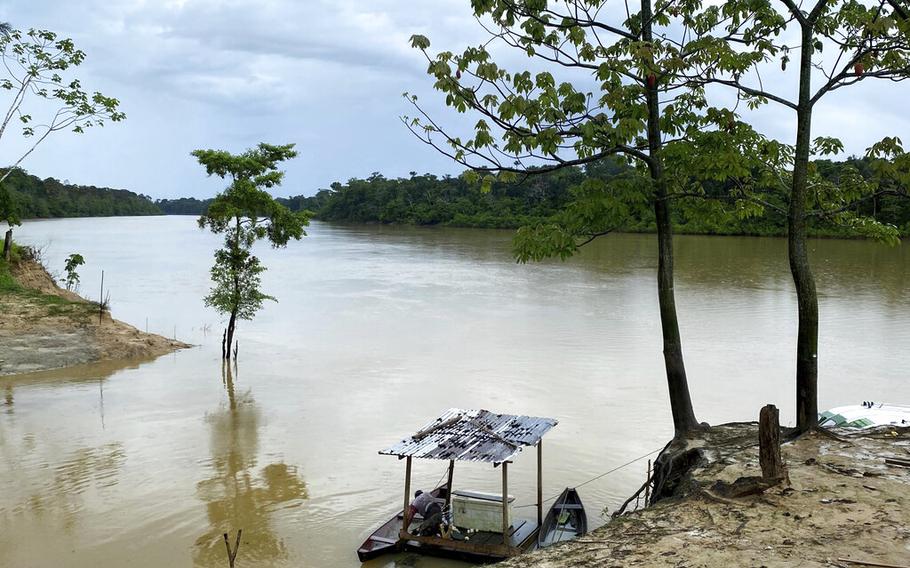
(377,330)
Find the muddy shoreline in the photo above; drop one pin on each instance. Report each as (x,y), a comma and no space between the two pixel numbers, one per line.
(44,327)
(843,502)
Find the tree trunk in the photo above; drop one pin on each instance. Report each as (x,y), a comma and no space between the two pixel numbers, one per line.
(228,379)
(680,401)
(797,246)
(226,348)
(230,335)
(8,245)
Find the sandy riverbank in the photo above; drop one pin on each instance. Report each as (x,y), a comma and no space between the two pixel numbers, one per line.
(43,326)
(843,502)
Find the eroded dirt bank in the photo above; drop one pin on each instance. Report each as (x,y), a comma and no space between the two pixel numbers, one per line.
(44,327)
(843,502)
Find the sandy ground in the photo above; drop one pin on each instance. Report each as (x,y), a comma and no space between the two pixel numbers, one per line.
(45,327)
(843,502)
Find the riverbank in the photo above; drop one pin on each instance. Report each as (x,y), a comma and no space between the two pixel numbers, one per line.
(843,502)
(43,326)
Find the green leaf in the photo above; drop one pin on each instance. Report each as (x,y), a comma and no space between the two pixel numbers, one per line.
(420,42)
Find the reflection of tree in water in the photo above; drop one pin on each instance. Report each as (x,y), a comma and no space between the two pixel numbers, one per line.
(240,495)
(83,468)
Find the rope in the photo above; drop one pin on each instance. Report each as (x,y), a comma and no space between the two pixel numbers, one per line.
(733,442)
(604,474)
(445,472)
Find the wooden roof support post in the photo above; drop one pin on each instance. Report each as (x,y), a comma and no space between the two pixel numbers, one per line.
(449,486)
(407,495)
(539,484)
(505,503)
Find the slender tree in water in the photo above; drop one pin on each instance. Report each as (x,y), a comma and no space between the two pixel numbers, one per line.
(245,213)
(532,123)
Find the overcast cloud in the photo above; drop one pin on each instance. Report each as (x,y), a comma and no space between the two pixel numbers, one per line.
(326,74)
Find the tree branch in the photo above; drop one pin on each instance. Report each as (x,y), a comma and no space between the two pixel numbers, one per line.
(797,13)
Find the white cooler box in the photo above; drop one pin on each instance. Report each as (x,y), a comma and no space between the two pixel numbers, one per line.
(479,511)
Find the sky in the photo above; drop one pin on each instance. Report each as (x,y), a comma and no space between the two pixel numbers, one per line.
(327,75)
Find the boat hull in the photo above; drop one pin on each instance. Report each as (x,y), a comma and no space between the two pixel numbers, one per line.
(482,546)
(865,415)
(565,520)
(384,540)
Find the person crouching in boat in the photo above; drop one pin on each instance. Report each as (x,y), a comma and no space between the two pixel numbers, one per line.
(429,509)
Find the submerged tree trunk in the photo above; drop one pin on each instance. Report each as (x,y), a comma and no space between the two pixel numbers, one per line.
(680,401)
(8,244)
(797,246)
(235,253)
(228,379)
(230,335)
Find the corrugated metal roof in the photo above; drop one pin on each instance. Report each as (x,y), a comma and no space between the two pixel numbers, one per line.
(473,435)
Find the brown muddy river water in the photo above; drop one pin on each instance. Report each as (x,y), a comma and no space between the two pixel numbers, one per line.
(377,330)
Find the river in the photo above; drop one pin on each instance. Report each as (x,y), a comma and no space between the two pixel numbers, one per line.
(377,330)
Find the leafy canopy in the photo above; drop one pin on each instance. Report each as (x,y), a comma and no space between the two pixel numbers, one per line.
(245,204)
(236,278)
(838,43)
(604,72)
(245,213)
(590,100)
(35,65)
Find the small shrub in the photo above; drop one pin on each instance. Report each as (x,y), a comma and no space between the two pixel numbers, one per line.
(73,262)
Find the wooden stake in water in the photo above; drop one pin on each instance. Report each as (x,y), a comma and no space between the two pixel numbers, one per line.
(648,486)
(101,300)
(232,554)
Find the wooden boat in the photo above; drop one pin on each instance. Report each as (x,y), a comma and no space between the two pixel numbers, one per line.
(866,415)
(478,436)
(384,540)
(481,547)
(565,520)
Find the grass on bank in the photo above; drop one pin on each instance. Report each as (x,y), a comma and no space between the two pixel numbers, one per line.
(42,304)
(8,284)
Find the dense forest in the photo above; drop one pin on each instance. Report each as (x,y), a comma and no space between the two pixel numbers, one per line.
(432,200)
(37,198)
(183,206)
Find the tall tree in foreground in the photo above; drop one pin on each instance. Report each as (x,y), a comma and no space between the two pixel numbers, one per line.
(840,43)
(245,213)
(35,70)
(536,123)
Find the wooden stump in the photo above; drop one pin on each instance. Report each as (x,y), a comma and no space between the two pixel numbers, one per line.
(772,465)
(8,245)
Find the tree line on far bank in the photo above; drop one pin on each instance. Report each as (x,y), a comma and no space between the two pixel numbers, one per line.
(36,198)
(453,201)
